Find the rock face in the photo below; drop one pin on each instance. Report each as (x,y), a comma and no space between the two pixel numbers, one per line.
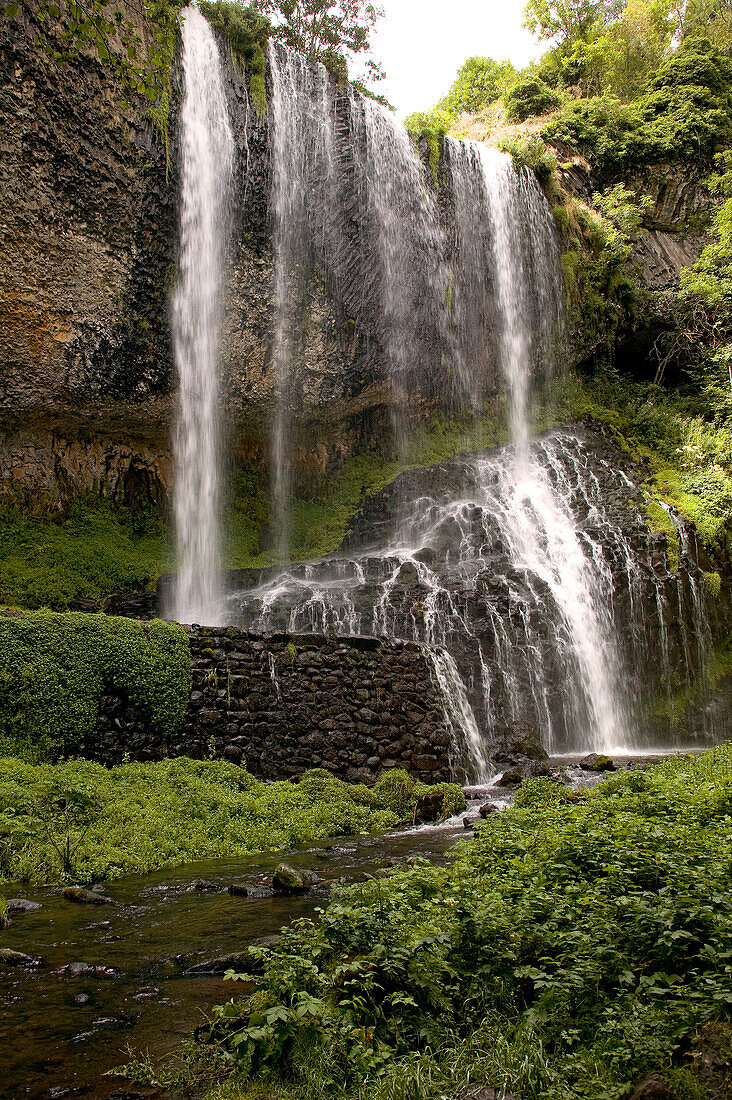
(288,702)
(88,247)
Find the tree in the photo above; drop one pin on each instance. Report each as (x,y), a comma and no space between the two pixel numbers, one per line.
(710,19)
(633,46)
(480,81)
(331,31)
(567,22)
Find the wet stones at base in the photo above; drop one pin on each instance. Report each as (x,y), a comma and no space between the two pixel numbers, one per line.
(8,957)
(21,905)
(596,762)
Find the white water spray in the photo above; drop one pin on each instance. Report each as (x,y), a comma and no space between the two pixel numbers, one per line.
(207,149)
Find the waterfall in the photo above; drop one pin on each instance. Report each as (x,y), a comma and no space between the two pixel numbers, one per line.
(351,208)
(207,158)
(540,529)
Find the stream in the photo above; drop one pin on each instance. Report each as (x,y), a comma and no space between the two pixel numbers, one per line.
(117,976)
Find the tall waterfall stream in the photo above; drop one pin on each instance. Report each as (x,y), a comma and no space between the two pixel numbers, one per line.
(207,149)
(512,567)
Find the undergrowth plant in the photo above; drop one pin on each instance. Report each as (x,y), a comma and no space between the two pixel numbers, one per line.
(54,668)
(572,946)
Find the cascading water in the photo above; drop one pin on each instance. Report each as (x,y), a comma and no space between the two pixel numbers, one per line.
(207,151)
(349,203)
(510,567)
(541,531)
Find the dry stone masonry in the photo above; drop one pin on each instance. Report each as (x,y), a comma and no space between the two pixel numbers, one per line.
(283,703)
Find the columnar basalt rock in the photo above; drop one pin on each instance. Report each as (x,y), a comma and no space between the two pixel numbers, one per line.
(283,703)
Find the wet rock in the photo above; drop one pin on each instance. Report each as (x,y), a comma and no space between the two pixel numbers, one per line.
(148,993)
(220,965)
(710,1055)
(428,808)
(81,999)
(488,808)
(286,880)
(518,743)
(17,958)
(596,762)
(488,1093)
(83,969)
(652,1086)
(237,890)
(469,822)
(86,897)
(203,886)
(22,905)
(512,777)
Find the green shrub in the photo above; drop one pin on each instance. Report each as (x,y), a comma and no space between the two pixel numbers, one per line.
(530,96)
(54,668)
(248,32)
(686,111)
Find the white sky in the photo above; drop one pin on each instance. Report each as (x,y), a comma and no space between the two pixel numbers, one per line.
(422,44)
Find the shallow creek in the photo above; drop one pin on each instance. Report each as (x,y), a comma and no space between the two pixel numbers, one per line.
(110,977)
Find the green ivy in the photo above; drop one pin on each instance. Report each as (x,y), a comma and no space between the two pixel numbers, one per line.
(54,668)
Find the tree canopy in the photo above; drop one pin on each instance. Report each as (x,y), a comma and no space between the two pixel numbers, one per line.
(334,32)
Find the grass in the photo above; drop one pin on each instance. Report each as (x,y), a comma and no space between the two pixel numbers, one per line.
(140,817)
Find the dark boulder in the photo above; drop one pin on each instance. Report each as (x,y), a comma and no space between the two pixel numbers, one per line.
(203,886)
(652,1086)
(22,905)
(237,890)
(512,777)
(488,808)
(429,808)
(16,958)
(286,880)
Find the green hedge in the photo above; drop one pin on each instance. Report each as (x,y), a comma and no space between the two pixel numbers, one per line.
(54,667)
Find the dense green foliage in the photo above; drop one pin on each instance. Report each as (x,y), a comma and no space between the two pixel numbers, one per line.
(686,448)
(685,111)
(54,667)
(529,96)
(566,950)
(52,561)
(140,817)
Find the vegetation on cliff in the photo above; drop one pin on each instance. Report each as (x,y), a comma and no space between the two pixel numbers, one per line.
(54,668)
(79,821)
(576,943)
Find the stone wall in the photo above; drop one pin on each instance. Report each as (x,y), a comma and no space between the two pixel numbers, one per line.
(283,703)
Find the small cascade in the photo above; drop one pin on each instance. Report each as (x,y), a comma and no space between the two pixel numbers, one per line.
(497,579)
(207,159)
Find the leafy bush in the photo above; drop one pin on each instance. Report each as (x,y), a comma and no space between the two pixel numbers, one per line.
(54,668)
(569,948)
(48,562)
(530,96)
(80,819)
